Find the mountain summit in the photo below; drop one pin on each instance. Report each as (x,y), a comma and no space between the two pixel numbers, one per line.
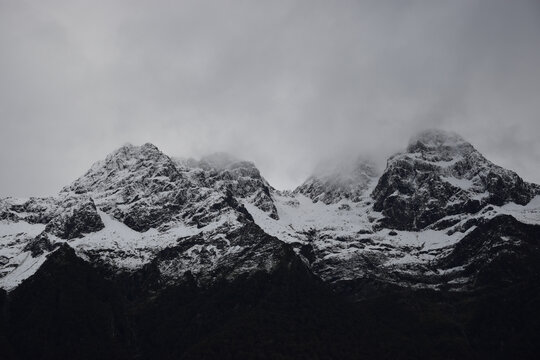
(334,182)
(442,176)
(438,140)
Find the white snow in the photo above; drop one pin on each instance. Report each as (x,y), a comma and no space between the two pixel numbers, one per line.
(337,230)
(449,163)
(480,196)
(116,243)
(8,228)
(15,264)
(26,266)
(464,184)
(338,235)
(529,214)
(135,247)
(302,215)
(427,239)
(16,200)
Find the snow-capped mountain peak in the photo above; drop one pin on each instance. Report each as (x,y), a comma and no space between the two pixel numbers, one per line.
(218,216)
(441,175)
(126,165)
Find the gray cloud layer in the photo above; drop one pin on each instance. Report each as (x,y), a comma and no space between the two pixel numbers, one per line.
(282,83)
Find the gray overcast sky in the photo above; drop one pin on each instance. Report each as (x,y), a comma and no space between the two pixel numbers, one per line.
(281,83)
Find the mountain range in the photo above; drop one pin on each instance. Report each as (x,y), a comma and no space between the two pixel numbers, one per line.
(148,256)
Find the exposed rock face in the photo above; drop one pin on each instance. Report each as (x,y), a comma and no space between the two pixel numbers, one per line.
(5,213)
(349,180)
(40,244)
(439,175)
(144,188)
(139,186)
(77,220)
(501,251)
(219,257)
(223,172)
(35,210)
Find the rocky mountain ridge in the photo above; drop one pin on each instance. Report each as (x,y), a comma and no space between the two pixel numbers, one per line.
(156,257)
(442,175)
(345,224)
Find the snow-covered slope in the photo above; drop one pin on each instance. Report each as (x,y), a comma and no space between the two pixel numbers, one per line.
(129,207)
(217,217)
(401,226)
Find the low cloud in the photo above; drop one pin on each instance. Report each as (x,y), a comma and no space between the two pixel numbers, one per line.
(281,83)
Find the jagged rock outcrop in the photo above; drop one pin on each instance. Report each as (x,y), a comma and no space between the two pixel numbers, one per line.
(40,244)
(138,185)
(158,199)
(35,210)
(439,175)
(144,188)
(223,172)
(225,256)
(501,251)
(79,217)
